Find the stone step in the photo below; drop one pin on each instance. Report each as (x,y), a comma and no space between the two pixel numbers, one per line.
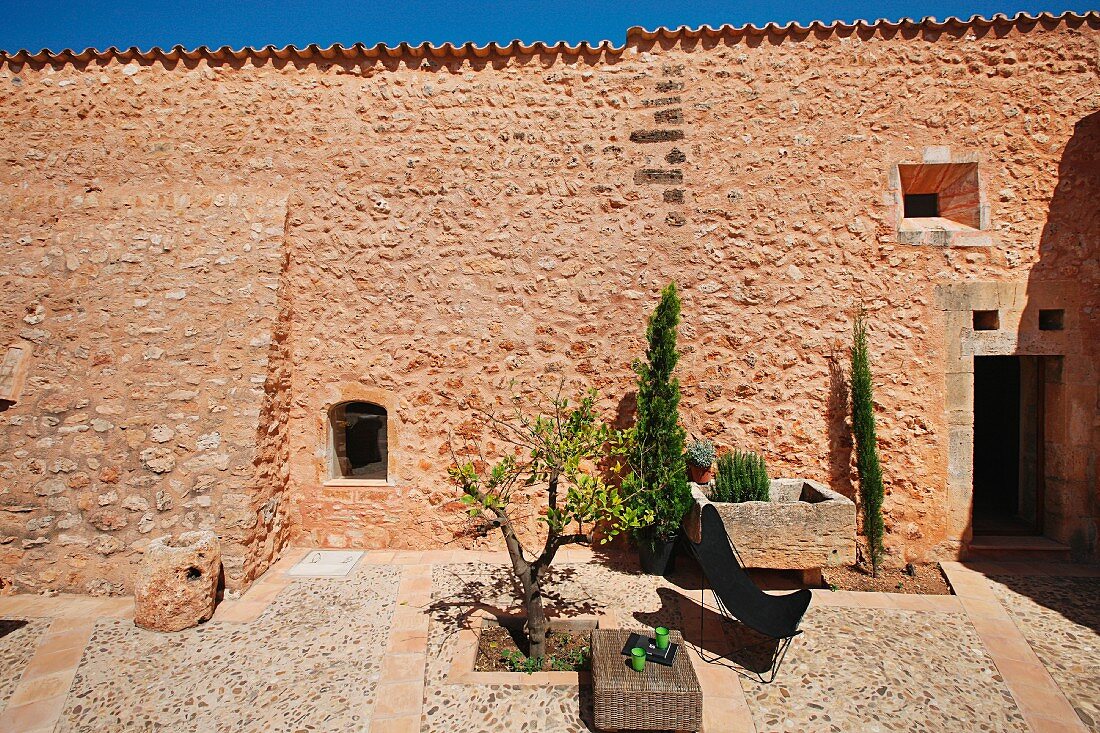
(1008,547)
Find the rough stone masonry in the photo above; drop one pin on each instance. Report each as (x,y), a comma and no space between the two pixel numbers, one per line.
(203,252)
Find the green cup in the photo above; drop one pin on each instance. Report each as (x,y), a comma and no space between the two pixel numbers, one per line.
(661,635)
(637,659)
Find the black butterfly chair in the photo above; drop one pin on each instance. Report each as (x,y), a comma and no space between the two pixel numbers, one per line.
(738,597)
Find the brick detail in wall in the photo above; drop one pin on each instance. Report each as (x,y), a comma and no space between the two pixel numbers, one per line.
(661,102)
(658,175)
(669,116)
(656,136)
(674,115)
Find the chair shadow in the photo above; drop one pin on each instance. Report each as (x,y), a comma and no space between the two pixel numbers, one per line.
(8,626)
(718,639)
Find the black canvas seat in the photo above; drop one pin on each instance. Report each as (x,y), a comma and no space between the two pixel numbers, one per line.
(738,597)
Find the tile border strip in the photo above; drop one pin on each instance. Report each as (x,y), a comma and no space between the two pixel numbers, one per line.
(1039,698)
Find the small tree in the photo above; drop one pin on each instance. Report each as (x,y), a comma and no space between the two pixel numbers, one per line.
(659,475)
(555,449)
(863,428)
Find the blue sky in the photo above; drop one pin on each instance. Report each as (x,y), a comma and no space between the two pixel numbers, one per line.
(57,24)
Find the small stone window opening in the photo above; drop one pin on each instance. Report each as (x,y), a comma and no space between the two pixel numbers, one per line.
(947,192)
(359,444)
(987,320)
(1052,320)
(921,205)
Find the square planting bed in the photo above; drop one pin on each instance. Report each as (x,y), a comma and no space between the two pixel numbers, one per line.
(805,526)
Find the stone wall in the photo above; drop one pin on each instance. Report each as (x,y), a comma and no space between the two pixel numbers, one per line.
(151,313)
(456,223)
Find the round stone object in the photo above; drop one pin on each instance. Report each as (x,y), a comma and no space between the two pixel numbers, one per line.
(177,582)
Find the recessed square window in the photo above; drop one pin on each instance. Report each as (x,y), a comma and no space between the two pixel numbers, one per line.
(941,190)
(987,320)
(1052,320)
(921,205)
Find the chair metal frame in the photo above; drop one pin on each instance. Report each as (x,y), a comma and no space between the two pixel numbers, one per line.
(778,654)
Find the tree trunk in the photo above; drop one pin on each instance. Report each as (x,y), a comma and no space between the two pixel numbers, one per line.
(530,580)
(537,625)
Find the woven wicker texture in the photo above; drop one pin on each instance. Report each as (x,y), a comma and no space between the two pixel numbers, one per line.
(658,698)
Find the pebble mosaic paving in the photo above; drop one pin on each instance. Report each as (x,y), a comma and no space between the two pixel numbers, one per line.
(17,645)
(885,670)
(306,664)
(1060,618)
(312,660)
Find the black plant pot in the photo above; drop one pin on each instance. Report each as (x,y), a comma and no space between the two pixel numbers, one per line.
(657,557)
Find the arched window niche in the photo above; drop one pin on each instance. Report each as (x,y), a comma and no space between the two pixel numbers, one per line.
(358,443)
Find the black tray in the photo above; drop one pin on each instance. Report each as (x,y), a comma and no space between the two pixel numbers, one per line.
(652,653)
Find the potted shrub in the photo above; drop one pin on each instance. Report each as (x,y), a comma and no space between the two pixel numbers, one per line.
(657,481)
(700,460)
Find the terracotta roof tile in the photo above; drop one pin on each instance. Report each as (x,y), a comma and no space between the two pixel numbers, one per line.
(634,36)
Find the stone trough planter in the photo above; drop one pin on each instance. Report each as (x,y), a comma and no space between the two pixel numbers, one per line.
(806,526)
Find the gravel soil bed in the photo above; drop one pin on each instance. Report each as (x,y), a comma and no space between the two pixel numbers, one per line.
(566,651)
(927,579)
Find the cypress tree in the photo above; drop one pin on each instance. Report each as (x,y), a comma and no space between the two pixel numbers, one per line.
(660,471)
(863,427)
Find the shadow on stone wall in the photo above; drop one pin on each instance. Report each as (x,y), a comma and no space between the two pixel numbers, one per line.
(837,429)
(1067,274)
(1067,277)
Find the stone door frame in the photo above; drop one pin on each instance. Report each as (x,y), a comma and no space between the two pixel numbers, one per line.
(1015,336)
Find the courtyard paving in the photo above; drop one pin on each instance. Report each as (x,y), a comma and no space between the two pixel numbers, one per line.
(383,650)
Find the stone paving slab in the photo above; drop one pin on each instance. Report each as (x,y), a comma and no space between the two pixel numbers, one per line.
(16,649)
(1060,618)
(307,663)
(885,670)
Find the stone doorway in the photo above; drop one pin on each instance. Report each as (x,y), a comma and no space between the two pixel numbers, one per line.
(1008,445)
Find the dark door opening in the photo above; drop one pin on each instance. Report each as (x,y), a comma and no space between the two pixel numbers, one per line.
(1008,419)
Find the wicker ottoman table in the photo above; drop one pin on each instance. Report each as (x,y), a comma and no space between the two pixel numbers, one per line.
(658,698)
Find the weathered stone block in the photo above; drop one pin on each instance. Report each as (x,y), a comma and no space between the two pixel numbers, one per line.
(176,585)
(805,525)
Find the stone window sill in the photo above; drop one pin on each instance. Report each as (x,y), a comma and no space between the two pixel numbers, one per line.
(941,232)
(357,482)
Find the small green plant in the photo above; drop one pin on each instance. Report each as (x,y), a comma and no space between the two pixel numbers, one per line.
(701,453)
(570,661)
(742,476)
(575,660)
(516,662)
(863,427)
